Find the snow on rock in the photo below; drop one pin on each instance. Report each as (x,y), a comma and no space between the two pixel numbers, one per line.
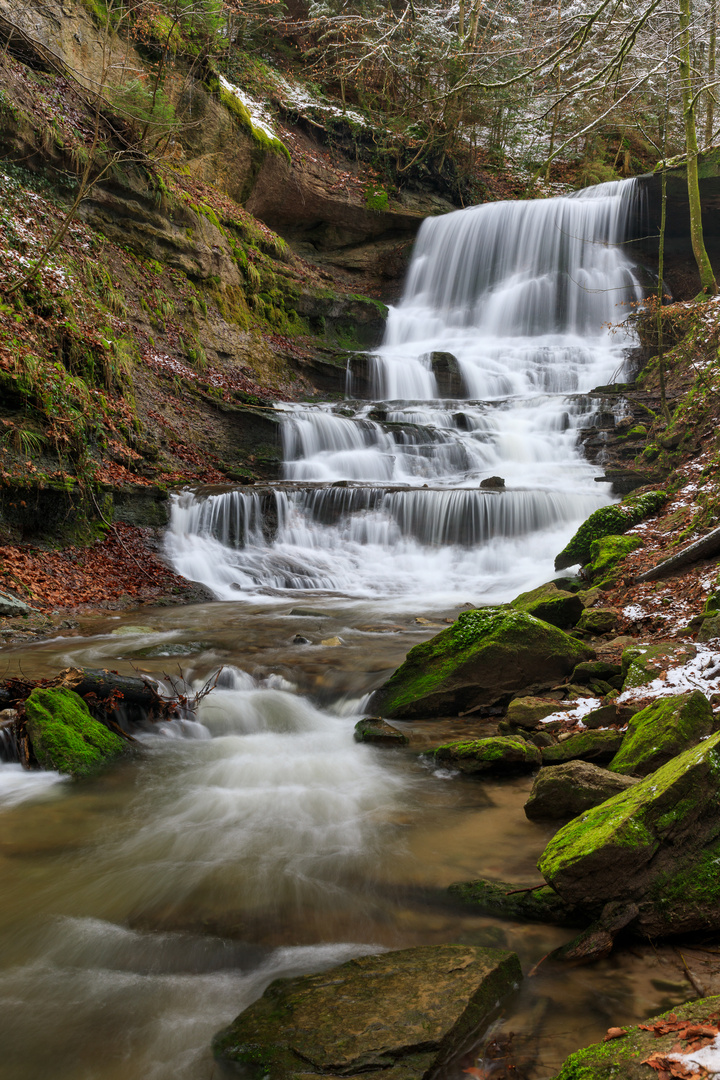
(258,114)
(708,1057)
(700,673)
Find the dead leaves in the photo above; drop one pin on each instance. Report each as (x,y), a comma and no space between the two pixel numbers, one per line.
(669,1065)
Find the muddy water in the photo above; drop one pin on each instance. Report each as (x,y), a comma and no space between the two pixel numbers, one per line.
(142,911)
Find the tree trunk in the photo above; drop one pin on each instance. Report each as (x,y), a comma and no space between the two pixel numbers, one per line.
(712,55)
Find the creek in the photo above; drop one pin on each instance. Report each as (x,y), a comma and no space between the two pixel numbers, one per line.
(140,912)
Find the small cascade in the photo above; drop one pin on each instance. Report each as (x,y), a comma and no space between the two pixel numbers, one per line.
(523,303)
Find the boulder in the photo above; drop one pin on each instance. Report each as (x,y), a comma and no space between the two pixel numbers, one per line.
(586,746)
(398,1016)
(624,1054)
(598,620)
(507,901)
(551,604)
(564,791)
(602,717)
(642,664)
(486,656)
(592,670)
(710,629)
(496,483)
(11,607)
(656,844)
(499,753)
(448,375)
(528,712)
(606,556)
(373,729)
(65,736)
(662,731)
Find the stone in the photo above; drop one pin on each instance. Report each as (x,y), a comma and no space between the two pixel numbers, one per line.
(591,670)
(499,753)
(662,731)
(606,556)
(493,482)
(602,717)
(655,844)
(623,1057)
(528,712)
(397,1016)
(642,664)
(448,375)
(569,789)
(373,729)
(586,746)
(11,607)
(598,620)
(551,604)
(65,736)
(710,629)
(507,901)
(608,521)
(486,656)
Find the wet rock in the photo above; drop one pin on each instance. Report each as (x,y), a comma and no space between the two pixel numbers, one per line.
(528,712)
(587,746)
(642,664)
(308,613)
(446,370)
(11,607)
(551,604)
(507,901)
(495,482)
(65,736)
(300,640)
(654,844)
(373,729)
(332,642)
(483,658)
(398,1016)
(662,731)
(623,1057)
(499,754)
(598,620)
(569,789)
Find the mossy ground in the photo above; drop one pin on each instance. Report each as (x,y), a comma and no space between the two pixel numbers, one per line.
(65,736)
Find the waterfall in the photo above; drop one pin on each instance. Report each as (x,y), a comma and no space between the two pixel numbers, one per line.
(526,301)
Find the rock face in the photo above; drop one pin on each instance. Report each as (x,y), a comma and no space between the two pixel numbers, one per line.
(65,736)
(654,844)
(485,656)
(551,604)
(587,746)
(395,1016)
(564,791)
(446,370)
(501,753)
(606,555)
(662,731)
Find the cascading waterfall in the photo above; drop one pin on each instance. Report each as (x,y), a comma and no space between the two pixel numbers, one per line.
(383,498)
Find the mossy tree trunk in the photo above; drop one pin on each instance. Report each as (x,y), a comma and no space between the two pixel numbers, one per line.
(708,285)
(712,61)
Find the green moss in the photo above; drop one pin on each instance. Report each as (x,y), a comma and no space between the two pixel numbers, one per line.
(607,554)
(551,604)
(65,736)
(608,521)
(662,731)
(587,746)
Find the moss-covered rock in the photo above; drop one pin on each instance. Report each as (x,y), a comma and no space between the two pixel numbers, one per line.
(606,556)
(528,712)
(662,731)
(484,657)
(374,730)
(648,844)
(499,753)
(551,604)
(598,620)
(642,664)
(623,1058)
(608,521)
(593,670)
(586,746)
(569,789)
(398,1016)
(65,736)
(508,902)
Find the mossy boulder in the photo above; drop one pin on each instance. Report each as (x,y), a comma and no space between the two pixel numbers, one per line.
(654,844)
(529,712)
(499,753)
(642,664)
(374,730)
(598,620)
(486,656)
(551,604)
(569,789)
(662,731)
(585,746)
(591,670)
(507,901)
(606,556)
(398,1016)
(623,1058)
(608,521)
(65,736)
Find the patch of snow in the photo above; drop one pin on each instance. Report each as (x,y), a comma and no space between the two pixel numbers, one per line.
(634,612)
(259,116)
(700,673)
(706,1058)
(582,707)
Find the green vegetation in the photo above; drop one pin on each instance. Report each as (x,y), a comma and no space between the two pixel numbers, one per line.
(608,521)
(65,736)
(661,731)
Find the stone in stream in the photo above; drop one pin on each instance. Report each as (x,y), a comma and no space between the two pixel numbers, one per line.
(564,791)
(551,604)
(508,901)
(373,729)
(65,737)
(446,370)
(498,754)
(586,746)
(656,844)
(493,482)
(486,656)
(623,1055)
(397,1016)
(662,731)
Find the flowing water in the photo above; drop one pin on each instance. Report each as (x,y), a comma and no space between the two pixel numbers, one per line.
(142,911)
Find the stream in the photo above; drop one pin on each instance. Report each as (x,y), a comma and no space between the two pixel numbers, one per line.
(141,911)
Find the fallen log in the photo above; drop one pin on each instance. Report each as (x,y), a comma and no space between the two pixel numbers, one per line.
(104,684)
(704,548)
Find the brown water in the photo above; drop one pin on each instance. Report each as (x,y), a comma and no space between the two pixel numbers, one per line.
(142,911)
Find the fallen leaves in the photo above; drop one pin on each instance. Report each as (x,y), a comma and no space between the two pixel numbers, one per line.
(669,1065)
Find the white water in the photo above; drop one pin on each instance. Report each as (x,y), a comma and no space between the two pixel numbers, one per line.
(523,295)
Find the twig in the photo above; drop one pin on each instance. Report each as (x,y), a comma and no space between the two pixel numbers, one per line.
(530,888)
(691,977)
